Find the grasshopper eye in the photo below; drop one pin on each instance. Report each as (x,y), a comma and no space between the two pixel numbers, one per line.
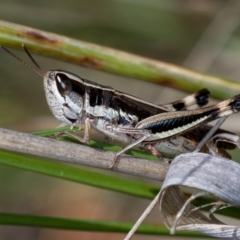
(63,83)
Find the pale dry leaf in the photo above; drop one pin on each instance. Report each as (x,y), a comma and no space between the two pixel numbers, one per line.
(206,173)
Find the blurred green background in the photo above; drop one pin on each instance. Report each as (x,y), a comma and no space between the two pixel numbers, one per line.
(201,35)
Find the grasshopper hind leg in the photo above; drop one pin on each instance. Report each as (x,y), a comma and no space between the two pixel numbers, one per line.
(145,135)
(193,101)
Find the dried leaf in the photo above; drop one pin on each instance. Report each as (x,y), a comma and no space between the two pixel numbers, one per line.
(215,175)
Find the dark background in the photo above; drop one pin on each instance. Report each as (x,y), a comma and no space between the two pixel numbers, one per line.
(200,35)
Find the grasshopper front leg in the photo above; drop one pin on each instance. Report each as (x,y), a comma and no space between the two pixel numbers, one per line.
(87,132)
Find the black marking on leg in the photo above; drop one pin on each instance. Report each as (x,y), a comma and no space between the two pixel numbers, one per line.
(236,104)
(202,97)
(179,106)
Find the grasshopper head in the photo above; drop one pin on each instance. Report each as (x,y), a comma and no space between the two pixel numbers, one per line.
(64,92)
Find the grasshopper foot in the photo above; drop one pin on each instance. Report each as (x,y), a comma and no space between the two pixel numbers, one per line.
(113,162)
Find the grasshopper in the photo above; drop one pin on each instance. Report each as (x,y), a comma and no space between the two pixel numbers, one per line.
(80,102)
(120,116)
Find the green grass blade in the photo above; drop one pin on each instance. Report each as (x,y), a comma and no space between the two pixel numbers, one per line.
(78,175)
(107,59)
(96,144)
(85,225)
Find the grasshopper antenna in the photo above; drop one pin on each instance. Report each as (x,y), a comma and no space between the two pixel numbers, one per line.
(38,70)
(31,57)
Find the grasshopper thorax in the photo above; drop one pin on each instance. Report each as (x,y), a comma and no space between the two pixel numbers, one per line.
(64,93)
